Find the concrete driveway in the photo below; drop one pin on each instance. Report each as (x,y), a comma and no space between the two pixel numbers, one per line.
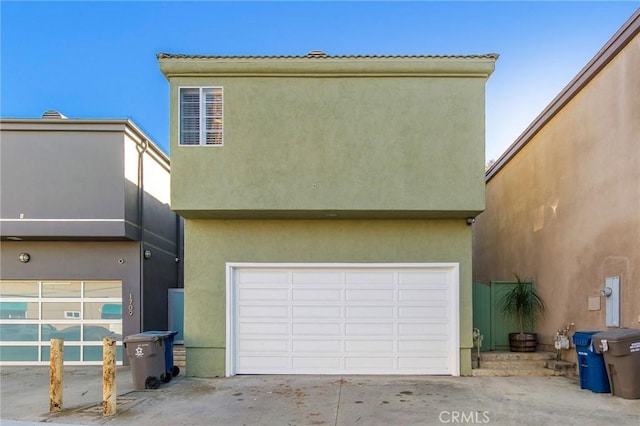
(312,400)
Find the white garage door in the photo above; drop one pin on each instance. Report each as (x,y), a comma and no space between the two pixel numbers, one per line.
(342,319)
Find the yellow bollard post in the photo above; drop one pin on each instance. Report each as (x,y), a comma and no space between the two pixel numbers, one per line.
(56,375)
(108,376)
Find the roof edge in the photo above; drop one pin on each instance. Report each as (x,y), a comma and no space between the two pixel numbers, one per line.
(315,55)
(325,66)
(605,55)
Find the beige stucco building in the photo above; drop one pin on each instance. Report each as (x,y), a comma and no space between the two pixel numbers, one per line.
(563,202)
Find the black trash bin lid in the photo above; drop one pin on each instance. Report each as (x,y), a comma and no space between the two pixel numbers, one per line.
(140,337)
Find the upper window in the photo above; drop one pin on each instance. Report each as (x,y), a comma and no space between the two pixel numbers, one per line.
(201,116)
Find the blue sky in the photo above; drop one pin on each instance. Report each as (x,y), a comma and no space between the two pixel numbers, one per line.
(97,59)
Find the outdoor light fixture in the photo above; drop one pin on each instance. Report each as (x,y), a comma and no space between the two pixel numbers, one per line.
(147,254)
(471,221)
(24,257)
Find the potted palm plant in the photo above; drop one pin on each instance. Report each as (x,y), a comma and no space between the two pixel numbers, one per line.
(522,303)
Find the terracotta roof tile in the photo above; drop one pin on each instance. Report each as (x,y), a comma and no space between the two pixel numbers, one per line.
(320,55)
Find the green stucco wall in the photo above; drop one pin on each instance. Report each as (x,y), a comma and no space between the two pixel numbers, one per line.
(362,141)
(332,159)
(212,243)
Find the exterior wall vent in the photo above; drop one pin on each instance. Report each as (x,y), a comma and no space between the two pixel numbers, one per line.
(317,54)
(53,114)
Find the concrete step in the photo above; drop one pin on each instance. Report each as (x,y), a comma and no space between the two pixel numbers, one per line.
(515,356)
(513,364)
(562,368)
(526,364)
(180,356)
(508,372)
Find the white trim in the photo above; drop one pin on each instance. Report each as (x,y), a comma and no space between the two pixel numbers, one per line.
(340,265)
(231,318)
(230,366)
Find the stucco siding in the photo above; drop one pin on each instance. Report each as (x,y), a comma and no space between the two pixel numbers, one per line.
(212,243)
(367,147)
(565,210)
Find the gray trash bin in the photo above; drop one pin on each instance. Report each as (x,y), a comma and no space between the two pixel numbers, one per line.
(146,356)
(621,351)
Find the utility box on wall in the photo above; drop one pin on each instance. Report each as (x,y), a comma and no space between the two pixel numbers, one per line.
(611,292)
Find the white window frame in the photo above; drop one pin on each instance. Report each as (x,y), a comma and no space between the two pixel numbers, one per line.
(202,140)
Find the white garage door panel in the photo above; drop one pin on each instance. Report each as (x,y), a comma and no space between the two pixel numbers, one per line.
(423,329)
(439,278)
(422,346)
(306,365)
(262,328)
(426,295)
(261,311)
(314,346)
(266,363)
(318,312)
(249,294)
(316,277)
(369,363)
(370,278)
(316,329)
(356,319)
(368,346)
(263,277)
(432,363)
(371,329)
(316,295)
(425,311)
(369,312)
(261,345)
(369,294)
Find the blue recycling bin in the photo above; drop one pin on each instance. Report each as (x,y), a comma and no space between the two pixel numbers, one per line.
(168,336)
(593,373)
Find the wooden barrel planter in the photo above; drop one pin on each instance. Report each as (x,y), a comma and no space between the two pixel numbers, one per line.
(523,342)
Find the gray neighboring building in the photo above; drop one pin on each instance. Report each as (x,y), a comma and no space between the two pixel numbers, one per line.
(89,244)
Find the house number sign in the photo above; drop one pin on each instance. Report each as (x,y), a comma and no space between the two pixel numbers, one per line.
(130,304)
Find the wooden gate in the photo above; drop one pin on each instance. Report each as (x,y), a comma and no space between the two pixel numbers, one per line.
(488,317)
